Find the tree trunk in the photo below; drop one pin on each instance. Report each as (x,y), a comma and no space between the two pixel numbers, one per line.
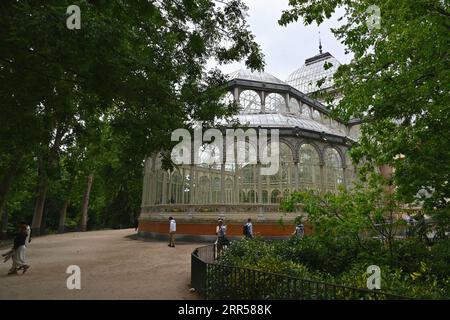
(63,212)
(4,230)
(8,178)
(39,208)
(84,217)
(44,166)
(62,216)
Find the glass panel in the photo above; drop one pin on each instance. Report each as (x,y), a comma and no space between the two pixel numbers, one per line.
(275,103)
(275,197)
(294,106)
(305,79)
(333,170)
(250,101)
(309,167)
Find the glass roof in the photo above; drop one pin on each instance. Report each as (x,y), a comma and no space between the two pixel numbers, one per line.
(276,114)
(305,79)
(280,120)
(255,76)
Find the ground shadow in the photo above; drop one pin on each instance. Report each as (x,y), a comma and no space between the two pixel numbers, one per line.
(136,237)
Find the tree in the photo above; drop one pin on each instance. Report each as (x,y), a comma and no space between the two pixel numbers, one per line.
(397,84)
(139,67)
(367,211)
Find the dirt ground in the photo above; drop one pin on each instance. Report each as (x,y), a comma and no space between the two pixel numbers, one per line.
(114,264)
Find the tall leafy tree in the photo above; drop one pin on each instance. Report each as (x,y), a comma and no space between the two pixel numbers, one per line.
(139,66)
(397,84)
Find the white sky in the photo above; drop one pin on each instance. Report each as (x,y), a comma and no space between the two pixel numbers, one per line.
(286,48)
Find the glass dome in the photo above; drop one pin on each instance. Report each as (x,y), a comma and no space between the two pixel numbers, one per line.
(322,66)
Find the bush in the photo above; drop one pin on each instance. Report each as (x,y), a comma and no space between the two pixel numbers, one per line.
(418,271)
(439,259)
(72,225)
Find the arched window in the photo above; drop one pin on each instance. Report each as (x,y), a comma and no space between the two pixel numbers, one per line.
(249,174)
(265,196)
(252,196)
(250,101)
(281,178)
(176,191)
(275,196)
(275,103)
(216,190)
(308,167)
(242,197)
(203,190)
(294,107)
(286,161)
(306,112)
(229,187)
(333,169)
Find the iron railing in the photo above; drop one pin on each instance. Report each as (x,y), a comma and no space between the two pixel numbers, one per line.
(213,280)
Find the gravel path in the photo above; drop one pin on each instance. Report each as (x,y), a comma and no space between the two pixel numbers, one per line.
(115,264)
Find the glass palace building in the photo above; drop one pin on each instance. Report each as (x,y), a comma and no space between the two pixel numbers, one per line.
(313,154)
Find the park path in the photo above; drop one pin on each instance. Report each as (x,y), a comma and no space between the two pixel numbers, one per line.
(115,264)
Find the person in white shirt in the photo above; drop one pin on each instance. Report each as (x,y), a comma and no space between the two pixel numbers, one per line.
(221,232)
(28,240)
(17,253)
(248,229)
(172,230)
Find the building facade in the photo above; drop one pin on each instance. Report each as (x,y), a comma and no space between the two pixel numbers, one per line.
(313,154)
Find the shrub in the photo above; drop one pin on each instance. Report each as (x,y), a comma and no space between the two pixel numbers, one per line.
(418,272)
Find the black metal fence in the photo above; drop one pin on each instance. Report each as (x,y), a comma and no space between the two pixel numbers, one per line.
(216,281)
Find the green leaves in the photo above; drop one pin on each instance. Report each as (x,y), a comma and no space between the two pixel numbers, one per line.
(418,272)
(397,84)
(116,88)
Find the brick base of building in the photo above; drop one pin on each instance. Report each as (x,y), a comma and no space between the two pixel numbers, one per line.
(205,232)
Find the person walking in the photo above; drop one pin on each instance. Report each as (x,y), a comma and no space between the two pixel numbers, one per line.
(248,229)
(28,231)
(299,230)
(18,255)
(221,232)
(172,231)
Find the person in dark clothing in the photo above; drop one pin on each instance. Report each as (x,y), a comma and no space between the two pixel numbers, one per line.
(20,239)
(18,256)
(299,231)
(248,229)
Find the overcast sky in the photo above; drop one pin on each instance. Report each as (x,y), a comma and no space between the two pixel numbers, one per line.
(286,48)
